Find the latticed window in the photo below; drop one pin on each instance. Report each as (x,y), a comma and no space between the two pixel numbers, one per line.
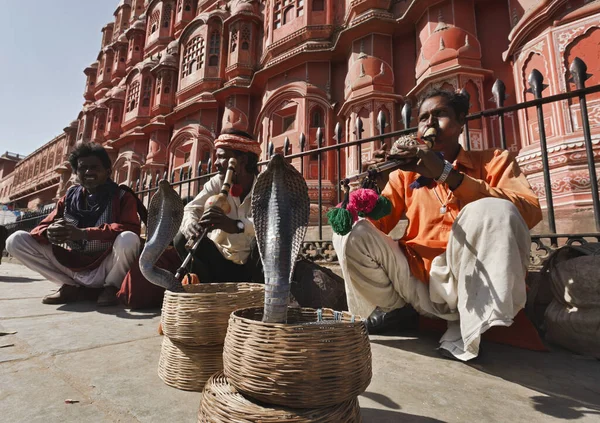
(158,83)
(246,34)
(154,21)
(167,15)
(193,58)
(187,5)
(286,10)
(234,38)
(134,95)
(167,83)
(147,92)
(43,164)
(215,46)
(50,160)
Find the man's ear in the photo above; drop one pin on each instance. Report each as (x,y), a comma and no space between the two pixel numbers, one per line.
(462,119)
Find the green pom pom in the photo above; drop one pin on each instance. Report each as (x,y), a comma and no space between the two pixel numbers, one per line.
(340,220)
(381,209)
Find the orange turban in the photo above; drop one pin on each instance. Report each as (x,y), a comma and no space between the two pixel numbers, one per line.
(238,143)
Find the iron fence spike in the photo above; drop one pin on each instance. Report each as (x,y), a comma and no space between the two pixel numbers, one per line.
(536,83)
(302,141)
(338,132)
(579,73)
(381,122)
(406,114)
(499,93)
(319,137)
(286,146)
(271,149)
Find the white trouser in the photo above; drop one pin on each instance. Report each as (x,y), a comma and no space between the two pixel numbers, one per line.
(111,272)
(479,282)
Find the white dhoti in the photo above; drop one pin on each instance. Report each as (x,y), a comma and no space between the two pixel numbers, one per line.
(478,283)
(111,272)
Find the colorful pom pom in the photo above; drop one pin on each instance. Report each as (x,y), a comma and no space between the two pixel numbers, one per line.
(381,209)
(363,200)
(340,220)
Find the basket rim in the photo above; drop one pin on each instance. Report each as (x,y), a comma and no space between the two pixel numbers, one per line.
(253,287)
(236,317)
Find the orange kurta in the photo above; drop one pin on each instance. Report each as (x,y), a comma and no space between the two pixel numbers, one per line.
(489,173)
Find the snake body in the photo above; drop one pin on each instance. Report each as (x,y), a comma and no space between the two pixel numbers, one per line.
(165,214)
(281,209)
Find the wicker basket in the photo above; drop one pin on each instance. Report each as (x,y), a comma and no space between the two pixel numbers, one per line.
(221,403)
(200,315)
(188,367)
(301,364)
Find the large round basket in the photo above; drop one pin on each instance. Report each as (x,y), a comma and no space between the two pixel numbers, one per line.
(188,367)
(199,316)
(302,364)
(221,403)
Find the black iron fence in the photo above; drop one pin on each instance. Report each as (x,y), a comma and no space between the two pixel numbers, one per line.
(321,249)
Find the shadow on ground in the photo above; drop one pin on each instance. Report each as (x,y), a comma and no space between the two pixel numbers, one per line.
(372,415)
(568,389)
(18,279)
(117,311)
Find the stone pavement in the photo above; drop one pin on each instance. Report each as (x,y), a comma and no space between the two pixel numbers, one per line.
(107,360)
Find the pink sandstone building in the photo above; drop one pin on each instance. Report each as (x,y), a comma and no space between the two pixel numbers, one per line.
(169,74)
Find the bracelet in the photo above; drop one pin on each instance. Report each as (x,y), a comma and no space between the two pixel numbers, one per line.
(447,169)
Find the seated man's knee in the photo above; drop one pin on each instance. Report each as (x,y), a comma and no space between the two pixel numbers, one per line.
(490,207)
(127,241)
(179,242)
(15,241)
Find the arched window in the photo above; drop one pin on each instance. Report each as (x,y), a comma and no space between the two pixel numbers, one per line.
(154,21)
(215,46)
(167,15)
(133,97)
(188,5)
(246,34)
(193,57)
(318,5)
(316,118)
(147,91)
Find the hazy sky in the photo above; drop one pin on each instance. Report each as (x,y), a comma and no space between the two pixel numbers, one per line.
(44,47)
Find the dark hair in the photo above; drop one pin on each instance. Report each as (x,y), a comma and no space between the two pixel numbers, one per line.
(457,101)
(252,163)
(89,150)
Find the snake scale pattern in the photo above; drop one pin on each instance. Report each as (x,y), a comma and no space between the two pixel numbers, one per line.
(165,214)
(281,209)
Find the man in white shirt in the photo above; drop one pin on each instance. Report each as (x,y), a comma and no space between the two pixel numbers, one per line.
(228,253)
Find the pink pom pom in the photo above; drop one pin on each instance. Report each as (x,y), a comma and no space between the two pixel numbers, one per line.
(363,200)
(352,211)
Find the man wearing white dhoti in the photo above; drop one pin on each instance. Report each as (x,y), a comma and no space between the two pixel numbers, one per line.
(465,252)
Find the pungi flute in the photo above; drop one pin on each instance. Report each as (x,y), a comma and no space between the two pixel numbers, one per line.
(219,201)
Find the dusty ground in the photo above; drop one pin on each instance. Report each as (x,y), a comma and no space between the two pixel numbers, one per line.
(107,360)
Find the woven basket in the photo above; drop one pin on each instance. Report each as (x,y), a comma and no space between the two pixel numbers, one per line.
(188,367)
(301,364)
(199,316)
(221,403)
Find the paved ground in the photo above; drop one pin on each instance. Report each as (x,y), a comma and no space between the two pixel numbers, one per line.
(107,361)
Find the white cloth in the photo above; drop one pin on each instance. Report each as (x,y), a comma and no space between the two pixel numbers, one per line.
(234,247)
(479,282)
(111,272)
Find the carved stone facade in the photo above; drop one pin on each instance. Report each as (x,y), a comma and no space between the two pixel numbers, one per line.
(171,74)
